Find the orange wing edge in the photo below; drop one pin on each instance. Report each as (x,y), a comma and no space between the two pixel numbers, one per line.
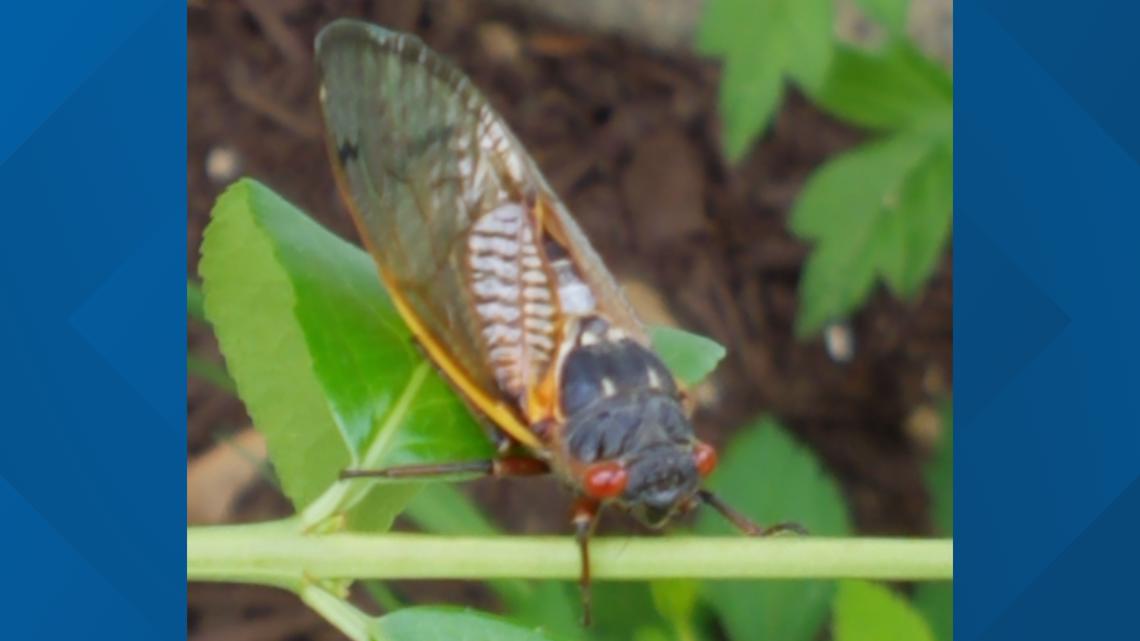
(495,409)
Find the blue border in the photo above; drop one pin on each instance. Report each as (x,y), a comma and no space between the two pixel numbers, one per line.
(93,179)
(1047,358)
(1047,310)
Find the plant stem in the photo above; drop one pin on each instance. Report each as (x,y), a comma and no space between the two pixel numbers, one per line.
(340,613)
(265,554)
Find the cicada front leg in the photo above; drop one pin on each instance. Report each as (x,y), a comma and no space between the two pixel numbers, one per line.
(743,523)
(584,516)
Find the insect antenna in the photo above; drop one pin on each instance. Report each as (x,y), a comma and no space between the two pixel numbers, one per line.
(743,523)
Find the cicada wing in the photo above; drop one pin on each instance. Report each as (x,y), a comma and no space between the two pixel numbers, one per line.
(419,156)
(608,294)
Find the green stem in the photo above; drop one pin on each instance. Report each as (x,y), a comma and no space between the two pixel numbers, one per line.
(276,553)
(342,614)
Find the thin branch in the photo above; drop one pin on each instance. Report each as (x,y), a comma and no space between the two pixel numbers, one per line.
(275,553)
(340,613)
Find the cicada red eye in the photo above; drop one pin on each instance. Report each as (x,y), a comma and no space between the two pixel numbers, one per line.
(705,457)
(605,480)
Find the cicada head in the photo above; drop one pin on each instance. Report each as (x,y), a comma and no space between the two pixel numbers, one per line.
(627,432)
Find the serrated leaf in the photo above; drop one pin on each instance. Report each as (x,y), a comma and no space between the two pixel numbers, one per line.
(763,42)
(882,209)
(891,14)
(866,611)
(689,356)
(321,359)
(892,89)
(917,229)
(448,624)
(767,475)
(749,95)
(807,38)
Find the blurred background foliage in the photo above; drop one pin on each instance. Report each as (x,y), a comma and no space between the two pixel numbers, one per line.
(881,210)
(871,210)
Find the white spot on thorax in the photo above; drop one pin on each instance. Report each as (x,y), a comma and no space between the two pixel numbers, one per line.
(608,387)
(654,380)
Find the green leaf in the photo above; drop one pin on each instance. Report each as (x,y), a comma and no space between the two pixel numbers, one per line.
(889,13)
(763,42)
(866,611)
(621,610)
(442,509)
(893,89)
(749,96)
(770,477)
(678,602)
(651,634)
(918,228)
(936,600)
(690,357)
(882,209)
(446,624)
(804,29)
(321,359)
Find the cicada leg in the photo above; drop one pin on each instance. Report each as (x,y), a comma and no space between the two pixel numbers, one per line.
(743,523)
(584,516)
(498,467)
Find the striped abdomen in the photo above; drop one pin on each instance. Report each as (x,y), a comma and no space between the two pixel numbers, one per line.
(514,299)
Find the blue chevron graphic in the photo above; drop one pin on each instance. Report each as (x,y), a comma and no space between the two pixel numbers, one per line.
(92,173)
(1045,309)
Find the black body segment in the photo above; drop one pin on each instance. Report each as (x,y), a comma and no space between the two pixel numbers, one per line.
(611,405)
(621,404)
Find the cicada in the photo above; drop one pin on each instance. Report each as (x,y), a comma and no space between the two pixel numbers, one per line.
(502,290)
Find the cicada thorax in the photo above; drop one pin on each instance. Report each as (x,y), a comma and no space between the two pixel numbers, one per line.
(606,409)
(626,436)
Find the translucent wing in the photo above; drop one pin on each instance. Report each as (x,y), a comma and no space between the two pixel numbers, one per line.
(421,157)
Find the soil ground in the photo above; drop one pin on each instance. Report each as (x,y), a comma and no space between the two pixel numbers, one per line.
(628,138)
